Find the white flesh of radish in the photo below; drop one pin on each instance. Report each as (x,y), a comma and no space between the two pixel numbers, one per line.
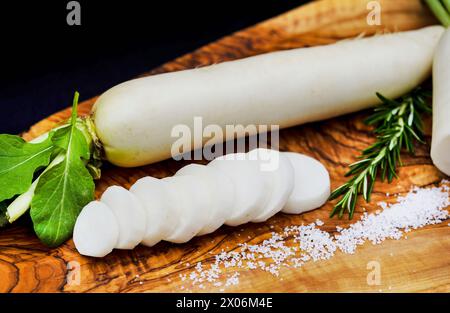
(96,230)
(193,202)
(251,187)
(129,213)
(221,191)
(311,186)
(280,173)
(440,140)
(134,120)
(152,194)
(199,199)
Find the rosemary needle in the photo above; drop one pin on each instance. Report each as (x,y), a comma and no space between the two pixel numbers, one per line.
(398,124)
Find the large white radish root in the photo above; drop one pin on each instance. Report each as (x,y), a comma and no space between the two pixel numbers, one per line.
(251,187)
(153,196)
(440,141)
(193,204)
(96,230)
(280,173)
(221,192)
(134,120)
(312,184)
(129,213)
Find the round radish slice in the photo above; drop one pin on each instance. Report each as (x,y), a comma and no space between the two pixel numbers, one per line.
(312,184)
(96,230)
(221,191)
(192,202)
(277,169)
(129,213)
(250,186)
(161,217)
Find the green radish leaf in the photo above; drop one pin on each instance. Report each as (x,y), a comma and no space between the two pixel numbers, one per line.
(63,190)
(18,162)
(59,197)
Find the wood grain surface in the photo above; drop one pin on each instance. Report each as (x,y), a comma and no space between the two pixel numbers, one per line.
(420,263)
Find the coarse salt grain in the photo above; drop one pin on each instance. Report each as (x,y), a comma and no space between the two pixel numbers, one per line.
(297,245)
(420,207)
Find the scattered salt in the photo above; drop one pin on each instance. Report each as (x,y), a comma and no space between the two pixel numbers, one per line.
(420,207)
(298,244)
(233,280)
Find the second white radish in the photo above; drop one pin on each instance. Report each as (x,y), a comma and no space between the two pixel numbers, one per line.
(440,141)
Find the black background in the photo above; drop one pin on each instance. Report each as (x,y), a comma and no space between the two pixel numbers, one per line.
(43,60)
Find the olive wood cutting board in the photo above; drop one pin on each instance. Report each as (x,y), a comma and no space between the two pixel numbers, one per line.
(420,263)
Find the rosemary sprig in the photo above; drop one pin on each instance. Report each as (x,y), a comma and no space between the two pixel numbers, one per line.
(398,124)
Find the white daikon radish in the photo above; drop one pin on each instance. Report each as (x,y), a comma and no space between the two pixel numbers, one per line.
(130,216)
(161,217)
(440,140)
(193,201)
(221,190)
(96,230)
(251,187)
(134,120)
(311,186)
(280,173)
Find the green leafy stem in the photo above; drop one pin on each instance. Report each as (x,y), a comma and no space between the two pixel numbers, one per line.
(53,175)
(441,9)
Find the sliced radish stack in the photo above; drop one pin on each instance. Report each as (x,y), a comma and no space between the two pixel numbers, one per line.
(221,191)
(312,184)
(130,216)
(161,218)
(279,172)
(250,185)
(233,189)
(96,230)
